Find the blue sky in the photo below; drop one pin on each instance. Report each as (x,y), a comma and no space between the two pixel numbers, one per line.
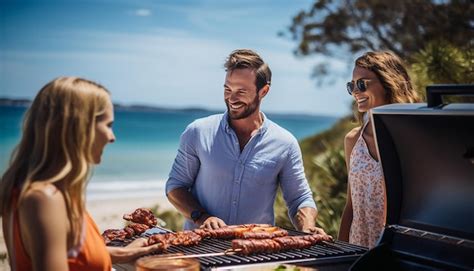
(163,53)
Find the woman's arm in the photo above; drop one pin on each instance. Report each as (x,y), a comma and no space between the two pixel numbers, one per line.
(135,249)
(346,219)
(44,227)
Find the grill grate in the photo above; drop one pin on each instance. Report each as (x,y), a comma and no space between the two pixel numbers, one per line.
(319,251)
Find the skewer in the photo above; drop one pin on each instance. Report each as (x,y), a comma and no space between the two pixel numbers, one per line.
(231,251)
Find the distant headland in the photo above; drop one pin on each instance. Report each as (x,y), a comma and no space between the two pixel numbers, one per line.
(151,108)
(119,107)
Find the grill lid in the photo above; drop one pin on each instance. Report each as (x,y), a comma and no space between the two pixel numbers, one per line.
(427,155)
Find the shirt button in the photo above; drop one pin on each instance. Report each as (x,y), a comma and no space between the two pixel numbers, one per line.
(234,202)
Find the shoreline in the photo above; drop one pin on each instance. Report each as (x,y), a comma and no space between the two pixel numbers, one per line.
(108,213)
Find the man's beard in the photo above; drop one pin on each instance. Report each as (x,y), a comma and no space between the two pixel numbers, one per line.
(247,109)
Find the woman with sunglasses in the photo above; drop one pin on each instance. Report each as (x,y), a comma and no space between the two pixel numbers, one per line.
(378,78)
(42,193)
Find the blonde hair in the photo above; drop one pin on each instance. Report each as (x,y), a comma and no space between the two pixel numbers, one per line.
(56,145)
(392,74)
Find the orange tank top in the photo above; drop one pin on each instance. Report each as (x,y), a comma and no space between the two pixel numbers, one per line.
(91,255)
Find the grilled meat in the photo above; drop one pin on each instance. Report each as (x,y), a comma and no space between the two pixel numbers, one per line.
(254,246)
(135,229)
(114,235)
(246,231)
(142,216)
(182,238)
(143,220)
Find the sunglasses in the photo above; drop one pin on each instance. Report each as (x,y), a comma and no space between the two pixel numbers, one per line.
(361,85)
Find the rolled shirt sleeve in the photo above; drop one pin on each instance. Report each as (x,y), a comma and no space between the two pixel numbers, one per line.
(295,187)
(186,164)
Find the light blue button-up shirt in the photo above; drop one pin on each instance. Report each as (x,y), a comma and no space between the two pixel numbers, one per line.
(240,187)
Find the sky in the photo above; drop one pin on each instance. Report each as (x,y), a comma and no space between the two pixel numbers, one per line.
(161,53)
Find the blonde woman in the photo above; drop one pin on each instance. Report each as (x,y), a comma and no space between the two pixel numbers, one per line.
(378,78)
(45,223)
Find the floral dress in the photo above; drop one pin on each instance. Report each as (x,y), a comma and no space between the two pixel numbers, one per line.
(368,195)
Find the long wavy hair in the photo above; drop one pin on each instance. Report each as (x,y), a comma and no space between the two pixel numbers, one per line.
(56,145)
(392,74)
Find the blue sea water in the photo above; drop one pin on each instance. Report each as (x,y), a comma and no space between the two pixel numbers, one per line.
(146,144)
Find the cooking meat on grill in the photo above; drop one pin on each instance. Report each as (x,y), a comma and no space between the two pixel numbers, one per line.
(253,246)
(158,238)
(182,238)
(262,233)
(220,233)
(114,234)
(246,231)
(255,235)
(142,216)
(135,229)
(251,226)
(127,232)
(143,220)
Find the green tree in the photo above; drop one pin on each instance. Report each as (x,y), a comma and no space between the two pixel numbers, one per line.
(170,219)
(440,62)
(325,169)
(338,29)
(436,40)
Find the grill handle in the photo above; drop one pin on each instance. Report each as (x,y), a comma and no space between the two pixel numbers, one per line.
(434,93)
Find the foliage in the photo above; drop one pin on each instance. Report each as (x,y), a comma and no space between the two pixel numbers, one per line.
(323,158)
(442,63)
(169,219)
(335,28)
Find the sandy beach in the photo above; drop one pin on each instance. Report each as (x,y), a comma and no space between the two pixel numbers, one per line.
(107,214)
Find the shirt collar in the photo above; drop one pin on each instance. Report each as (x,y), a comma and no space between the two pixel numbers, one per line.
(225,123)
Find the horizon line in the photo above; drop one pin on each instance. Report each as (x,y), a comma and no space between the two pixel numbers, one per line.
(147,107)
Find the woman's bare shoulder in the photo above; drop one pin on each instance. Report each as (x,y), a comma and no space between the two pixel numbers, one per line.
(44,194)
(352,135)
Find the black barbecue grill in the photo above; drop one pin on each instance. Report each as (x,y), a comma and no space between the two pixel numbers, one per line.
(427,155)
(323,254)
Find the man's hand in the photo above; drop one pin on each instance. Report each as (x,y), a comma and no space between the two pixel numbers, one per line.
(305,219)
(210,222)
(315,230)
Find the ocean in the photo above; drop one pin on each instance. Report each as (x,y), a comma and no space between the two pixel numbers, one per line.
(138,163)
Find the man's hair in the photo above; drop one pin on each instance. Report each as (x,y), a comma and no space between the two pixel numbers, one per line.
(248,59)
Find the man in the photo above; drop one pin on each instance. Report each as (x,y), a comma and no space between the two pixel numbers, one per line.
(229,166)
